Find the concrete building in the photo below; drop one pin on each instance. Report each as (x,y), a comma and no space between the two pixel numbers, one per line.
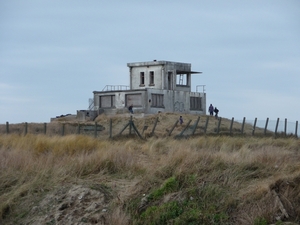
(155,86)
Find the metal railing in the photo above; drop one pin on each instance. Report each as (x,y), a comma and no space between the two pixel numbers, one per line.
(116,87)
(199,87)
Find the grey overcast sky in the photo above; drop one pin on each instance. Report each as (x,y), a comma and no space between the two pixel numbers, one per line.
(54,54)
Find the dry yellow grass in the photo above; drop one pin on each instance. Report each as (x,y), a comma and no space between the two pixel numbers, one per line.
(241,173)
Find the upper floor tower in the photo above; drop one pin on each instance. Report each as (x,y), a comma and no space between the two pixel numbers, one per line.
(163,75)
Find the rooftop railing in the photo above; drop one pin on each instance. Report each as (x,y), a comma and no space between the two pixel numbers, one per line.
(115,87)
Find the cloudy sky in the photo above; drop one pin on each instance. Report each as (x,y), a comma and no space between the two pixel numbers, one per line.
(54,54)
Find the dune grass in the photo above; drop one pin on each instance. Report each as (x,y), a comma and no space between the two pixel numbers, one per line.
(206,180)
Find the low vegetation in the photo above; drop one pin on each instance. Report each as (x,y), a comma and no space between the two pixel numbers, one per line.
(77,179)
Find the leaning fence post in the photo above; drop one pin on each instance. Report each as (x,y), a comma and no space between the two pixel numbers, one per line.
(243,125)
(275,134)
(152,133)
(206,124)
(26,126)
(181,133)
(266,126)
(45,128)
(231,124)
(7,127)
(170,132)
(195,126)
(254,125)
(285,126)
(296,129)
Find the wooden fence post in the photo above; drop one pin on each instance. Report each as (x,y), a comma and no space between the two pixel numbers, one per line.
(7,127)
(276,128)
(254,125)
(296,129)
(266,126)
(231,124)
(45,128)
(78,128)
(285,126)
(110,128)
(206,124)
(170,132)
(181,133)
(130,125)
(152,133)
(195,126)
(243,125)
(63,129)
(95,130)
(26,126)
(219,124)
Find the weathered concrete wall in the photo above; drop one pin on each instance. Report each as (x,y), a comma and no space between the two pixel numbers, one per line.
(135,80)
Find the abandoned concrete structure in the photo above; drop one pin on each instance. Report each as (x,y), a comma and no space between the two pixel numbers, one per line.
(155,86)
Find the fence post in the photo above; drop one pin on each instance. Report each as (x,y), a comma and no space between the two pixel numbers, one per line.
(243,125)
(181,133)
(170,132)
(231,124)
(78,128)
(130,125)
(254,125)
(266,126)
(219,124)
(63,130)
(285,126)
(7,127)
(296,129)
(152,133)
(275,134)
(206,124)
(95,130)
(110,128)
(26,126)
(195,126)
(45,128)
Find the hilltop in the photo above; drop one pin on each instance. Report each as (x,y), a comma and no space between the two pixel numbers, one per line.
(203,179)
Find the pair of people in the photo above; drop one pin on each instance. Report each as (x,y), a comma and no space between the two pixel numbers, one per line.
(213,110)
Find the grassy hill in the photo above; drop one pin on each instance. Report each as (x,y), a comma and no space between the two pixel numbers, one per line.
(204,179)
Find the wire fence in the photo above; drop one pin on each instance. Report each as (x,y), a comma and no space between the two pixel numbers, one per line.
(206,125)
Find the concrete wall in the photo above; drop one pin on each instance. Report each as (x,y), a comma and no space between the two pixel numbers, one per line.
(161,71)
(135,80)
(173,101)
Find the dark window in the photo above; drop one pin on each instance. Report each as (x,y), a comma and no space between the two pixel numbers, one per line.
(157,100)
(151,78)
(195,103)
(142,76)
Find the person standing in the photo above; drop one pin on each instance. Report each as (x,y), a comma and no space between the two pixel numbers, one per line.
(130,109)
(211,110)
(180,120)
(216,112)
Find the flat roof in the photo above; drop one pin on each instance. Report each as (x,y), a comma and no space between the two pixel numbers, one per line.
(185,72)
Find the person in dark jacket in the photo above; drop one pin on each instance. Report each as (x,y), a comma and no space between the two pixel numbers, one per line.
(216,112)
(130,109)
(211,110)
